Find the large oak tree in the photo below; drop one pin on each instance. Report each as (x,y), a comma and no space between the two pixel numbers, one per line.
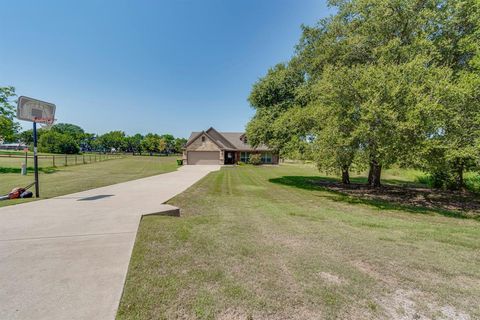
(384,82)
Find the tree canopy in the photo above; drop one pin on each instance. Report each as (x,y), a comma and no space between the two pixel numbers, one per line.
(8,126)
(154,143)
(55,142)
(381,82)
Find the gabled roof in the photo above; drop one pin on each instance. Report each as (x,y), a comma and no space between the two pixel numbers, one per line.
(226,140)
(219,137)
(195,135)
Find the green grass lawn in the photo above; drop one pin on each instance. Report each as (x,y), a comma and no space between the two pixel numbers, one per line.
(248,247)
(65,180)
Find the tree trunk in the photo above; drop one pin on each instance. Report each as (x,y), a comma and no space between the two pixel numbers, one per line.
(370,174)
(345,175)
(460,183)
(376,170)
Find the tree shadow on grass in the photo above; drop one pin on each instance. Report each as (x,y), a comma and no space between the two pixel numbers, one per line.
(29,170)
(363,180)
(394,195)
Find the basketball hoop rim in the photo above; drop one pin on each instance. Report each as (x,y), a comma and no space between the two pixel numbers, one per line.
(44,120)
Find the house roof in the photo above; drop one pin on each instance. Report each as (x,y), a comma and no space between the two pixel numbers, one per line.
(220,138)
(195,135)
(226,140)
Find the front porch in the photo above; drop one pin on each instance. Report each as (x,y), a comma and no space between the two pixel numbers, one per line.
(231,157)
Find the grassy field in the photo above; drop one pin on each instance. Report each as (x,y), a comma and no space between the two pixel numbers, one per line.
(70,179)
(249,247)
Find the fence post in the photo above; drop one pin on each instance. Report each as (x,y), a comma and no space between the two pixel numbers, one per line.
(66,161)
(53,161)
(90,156)
(83,159)
(95,157)
(75,159)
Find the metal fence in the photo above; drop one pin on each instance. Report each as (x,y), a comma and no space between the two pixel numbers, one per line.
(58,160)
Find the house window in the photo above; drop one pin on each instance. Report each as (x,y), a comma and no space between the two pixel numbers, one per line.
(203,138)
(266,157)
(244,156)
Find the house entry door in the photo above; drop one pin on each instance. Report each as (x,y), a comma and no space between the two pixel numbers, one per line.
(229,157)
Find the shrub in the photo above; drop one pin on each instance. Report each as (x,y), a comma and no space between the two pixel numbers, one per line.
(472,182)
(437,180)
(424,179)
(255,159)
(447,182)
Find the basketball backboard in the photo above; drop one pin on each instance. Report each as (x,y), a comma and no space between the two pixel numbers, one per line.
(34,110)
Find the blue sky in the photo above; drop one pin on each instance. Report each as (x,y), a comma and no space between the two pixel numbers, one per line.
(148,66)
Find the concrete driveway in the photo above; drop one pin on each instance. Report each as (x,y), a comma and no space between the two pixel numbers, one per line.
(67,257)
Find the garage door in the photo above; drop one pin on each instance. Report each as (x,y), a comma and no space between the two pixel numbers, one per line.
(203,157)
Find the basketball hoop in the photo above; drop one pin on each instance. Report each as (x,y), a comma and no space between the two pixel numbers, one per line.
(36,111)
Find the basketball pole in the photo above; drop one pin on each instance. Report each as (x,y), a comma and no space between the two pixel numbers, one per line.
(35,160)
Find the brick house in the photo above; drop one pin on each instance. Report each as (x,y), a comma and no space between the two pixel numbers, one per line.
(213,147)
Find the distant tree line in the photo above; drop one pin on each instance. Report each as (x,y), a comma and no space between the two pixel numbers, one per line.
(71,139)
(380,82)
